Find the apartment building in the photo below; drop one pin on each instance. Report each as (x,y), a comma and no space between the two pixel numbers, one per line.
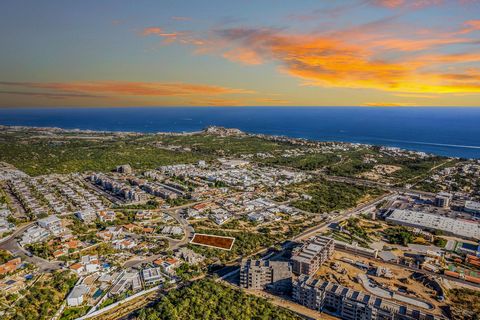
(309,257)
(262,274)
(350,304)
(442,200)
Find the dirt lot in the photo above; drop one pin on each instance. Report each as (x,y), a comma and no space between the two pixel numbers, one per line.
(213,241)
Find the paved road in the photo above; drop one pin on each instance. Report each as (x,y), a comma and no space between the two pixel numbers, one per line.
(172,243)
(187,229)
(17,232)
(11,244)
(352,212)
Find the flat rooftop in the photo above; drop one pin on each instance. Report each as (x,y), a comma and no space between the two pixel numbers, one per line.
(457,227)
(312,249)
(472,205)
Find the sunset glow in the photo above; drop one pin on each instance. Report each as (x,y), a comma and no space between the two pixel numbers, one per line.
(304,53)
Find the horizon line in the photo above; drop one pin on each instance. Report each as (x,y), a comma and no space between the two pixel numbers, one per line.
(227,106)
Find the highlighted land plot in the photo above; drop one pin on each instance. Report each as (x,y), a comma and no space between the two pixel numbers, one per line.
(213,241)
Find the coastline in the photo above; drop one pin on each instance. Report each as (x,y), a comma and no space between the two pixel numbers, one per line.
(450,132)
(214,130)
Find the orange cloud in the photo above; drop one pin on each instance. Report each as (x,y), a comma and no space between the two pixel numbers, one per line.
(157,31)
(49,95)
(368,56)
(217,102)
(273,101)
(415,95)
(243,55)
(470,26)
(406,3)
(328,61)
(388,104)
(416,44)
(433,59)
(389,3)
(321,60)
(124,88)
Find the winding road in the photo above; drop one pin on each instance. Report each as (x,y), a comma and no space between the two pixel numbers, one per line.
(11,244)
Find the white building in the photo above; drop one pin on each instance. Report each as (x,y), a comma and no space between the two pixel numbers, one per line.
(90,263)
(125,281)
(256,217)
(87,216)
(51,223)
(106,216)
(5,226)
(124,244)
(125,168)
(34,234)
(152,276)
(77,295)
(456,227)
(174,230)
(220,218)
(472,207)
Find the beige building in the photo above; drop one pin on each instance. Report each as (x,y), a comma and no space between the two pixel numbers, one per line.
(309,257)
(264,274)
(350,304)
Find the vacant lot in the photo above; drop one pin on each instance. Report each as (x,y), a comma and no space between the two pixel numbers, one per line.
(219,242)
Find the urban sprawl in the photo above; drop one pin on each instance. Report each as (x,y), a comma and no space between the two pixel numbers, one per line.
(362,244)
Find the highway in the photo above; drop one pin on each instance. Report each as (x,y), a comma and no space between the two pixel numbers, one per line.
(348,214)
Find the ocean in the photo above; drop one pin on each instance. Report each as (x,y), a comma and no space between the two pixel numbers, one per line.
(444,131)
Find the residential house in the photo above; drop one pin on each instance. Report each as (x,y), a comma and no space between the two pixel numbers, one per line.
(76,297)
(106,216)
(10,266)
(152,276)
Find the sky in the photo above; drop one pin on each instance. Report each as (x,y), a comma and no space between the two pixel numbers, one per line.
(93,53)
